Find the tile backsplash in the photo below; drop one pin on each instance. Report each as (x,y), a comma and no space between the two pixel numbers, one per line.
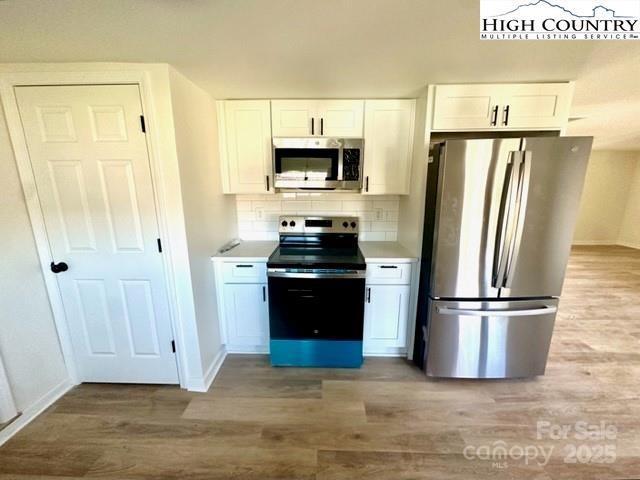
(258,214)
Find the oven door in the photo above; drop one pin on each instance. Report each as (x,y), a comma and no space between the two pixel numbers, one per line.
(327,308)
(307,163)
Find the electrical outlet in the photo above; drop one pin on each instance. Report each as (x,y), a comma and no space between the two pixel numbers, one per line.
(259,213)
(379,214)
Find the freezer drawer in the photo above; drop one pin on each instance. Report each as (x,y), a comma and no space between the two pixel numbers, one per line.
(489,339)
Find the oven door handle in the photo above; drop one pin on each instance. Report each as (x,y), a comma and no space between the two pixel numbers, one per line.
(351,274)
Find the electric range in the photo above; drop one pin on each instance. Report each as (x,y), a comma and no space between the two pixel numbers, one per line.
(316,293)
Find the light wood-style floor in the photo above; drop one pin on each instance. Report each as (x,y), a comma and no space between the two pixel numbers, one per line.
(385,421)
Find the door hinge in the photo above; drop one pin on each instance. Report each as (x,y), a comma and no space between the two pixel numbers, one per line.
(173,346)
(142,124)
(159,246)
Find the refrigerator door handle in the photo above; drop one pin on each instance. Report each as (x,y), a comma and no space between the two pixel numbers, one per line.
(522,196)
(504,231)
(546,310)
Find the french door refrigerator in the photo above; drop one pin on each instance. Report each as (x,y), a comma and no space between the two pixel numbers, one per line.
(499,221)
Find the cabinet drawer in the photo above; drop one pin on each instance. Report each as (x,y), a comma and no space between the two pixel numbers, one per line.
(244,272)
(389,273)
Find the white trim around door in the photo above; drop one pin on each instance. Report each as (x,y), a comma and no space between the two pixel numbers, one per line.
(77,75)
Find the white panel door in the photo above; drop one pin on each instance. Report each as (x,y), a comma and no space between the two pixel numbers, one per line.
(385,318)
(388,146)
(246,148)
(535,105)
(91,167)
(340,118)
(294,118)
(466,107)
(247,314)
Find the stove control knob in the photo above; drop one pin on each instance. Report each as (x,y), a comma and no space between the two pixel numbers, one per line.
(292,223)
(284,223)
(353,224)
(345,224)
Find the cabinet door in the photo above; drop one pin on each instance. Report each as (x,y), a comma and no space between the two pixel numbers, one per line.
(245,146)
(385,318)
(293,118)
(340,118)
(465,107)
(388,146)
(536,105)
(247,316)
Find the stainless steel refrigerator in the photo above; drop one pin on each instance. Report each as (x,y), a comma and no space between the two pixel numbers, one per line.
(499,221)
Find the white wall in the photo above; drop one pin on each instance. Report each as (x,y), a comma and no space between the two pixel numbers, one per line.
(605,198)
(630,228)
(210,217)
(258,214)
(28,339)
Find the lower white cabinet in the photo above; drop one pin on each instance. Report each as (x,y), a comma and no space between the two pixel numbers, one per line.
(386,309)
(247,316)
(385,319)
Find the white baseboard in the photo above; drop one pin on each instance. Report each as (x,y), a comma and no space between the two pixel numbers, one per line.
(36,409)
(607,243)
(594,242)
(203,384)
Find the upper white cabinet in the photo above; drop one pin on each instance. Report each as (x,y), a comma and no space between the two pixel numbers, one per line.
(522,106)
(388,146)
(244,128)
(328,118)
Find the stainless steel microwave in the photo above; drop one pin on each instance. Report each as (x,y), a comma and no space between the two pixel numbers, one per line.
(318,163)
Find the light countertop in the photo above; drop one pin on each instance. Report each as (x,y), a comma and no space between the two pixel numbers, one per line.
(259,251)
(385,252)
(249,251)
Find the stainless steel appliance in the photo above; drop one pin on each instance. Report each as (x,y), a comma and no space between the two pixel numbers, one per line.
(318,163)
(499,221)
(316,293)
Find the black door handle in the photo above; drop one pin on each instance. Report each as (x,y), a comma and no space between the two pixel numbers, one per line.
(321,126)
(59,267)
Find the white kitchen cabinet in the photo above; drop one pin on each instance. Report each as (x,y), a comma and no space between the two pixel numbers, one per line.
(385,319)
(522,106)
(388,146)
(386,308)
(328,118)
(246,307)
(244,128)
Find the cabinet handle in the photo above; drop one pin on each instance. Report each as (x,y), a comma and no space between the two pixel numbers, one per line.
(264,293)
(368,294)
(505,117)
(366,183)
(312,121)
(388,266)
(321,126)
(244,266)
(268,186)
(494,116)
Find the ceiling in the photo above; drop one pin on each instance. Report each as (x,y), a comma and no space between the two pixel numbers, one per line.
(327,48)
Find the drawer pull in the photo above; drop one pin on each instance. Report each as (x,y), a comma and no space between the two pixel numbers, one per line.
(244,266)
(388,266)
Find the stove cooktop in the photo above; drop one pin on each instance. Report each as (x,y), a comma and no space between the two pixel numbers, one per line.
(345,258)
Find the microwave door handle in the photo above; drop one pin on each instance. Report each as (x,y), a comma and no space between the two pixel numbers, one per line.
(504,228)
(523,194)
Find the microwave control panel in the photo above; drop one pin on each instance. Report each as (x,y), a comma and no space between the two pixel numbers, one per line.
(351,164)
